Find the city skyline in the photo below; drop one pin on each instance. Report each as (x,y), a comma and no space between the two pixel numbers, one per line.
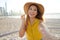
(52,7)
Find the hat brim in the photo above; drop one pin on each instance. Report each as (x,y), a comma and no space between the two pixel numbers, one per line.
(26,6)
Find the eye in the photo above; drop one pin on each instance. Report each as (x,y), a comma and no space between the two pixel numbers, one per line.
(30,8)
(35,9)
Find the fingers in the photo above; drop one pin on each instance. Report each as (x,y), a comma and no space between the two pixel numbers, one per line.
(23,17)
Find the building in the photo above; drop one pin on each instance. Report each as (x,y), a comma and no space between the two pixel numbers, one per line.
(2,11)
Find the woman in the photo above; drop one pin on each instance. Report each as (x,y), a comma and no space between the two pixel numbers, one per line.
(33,23)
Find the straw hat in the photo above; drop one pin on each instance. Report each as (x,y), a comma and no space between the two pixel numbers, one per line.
(26,6)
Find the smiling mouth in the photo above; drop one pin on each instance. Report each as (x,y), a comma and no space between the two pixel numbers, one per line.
(32,14)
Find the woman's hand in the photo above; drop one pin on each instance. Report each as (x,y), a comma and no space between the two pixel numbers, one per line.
(23,17)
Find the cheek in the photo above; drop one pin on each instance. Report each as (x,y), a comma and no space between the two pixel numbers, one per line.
(29,12)
(35,13)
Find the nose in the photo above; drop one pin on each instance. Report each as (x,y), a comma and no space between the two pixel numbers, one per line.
(32,11)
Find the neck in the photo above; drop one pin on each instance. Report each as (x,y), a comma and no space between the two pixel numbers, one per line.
(32,20)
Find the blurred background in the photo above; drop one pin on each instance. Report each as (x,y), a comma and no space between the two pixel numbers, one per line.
(10,17)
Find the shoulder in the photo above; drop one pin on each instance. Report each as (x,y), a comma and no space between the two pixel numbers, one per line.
(42,23)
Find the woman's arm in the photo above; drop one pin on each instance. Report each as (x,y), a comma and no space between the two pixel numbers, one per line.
(46,34)
(44,30)
(22,28)
(43,27)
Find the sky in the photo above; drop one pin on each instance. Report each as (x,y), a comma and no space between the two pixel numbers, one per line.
(51,6)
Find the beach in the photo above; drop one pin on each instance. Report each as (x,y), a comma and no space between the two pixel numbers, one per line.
(9,28)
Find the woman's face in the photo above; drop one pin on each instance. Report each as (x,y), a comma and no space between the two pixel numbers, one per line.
(32,11)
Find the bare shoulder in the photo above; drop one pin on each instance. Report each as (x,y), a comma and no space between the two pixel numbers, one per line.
(41,23)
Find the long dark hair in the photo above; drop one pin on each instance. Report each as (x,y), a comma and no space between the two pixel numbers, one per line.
(38,16)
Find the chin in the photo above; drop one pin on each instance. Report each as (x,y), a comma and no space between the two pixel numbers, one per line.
(32,17)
